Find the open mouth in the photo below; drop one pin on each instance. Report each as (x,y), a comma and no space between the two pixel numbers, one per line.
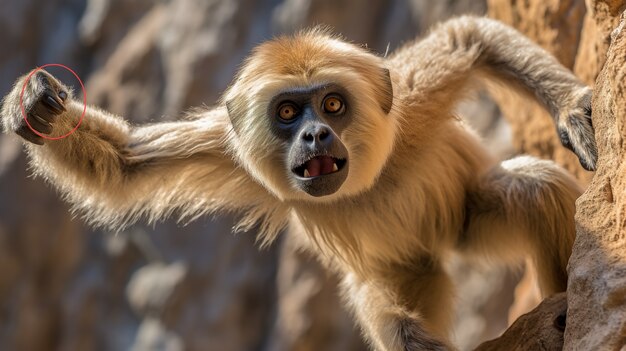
(319,166)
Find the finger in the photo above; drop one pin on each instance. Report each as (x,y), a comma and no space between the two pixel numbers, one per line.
(578,136)
(51,102)
(42,111)
(28,135)
(39,124)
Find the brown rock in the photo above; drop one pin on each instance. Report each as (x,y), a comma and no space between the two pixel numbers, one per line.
(597,268)
(539,330)
(602,16)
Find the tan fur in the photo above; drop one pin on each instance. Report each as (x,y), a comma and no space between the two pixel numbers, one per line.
(419,184)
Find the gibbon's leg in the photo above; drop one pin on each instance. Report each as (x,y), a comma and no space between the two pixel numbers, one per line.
(525,205)
(437,70)
(408,310)
(116,173)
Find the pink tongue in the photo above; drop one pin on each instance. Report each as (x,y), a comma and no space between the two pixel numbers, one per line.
(319,166)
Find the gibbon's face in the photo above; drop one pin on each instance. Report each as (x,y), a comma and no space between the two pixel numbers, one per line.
(311,117)
(310,120)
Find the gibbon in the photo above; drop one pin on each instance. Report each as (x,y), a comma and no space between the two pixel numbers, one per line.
(361,155)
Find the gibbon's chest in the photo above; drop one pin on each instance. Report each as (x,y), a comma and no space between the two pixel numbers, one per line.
(390,228)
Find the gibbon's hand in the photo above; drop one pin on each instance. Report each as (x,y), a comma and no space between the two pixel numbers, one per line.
(575,130)
(44,100)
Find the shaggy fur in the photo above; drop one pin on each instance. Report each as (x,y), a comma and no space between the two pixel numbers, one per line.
(419,184)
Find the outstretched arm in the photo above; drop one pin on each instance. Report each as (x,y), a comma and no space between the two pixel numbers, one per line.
(439,68)
(117,173)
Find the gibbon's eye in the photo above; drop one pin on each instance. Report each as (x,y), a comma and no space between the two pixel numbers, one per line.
(287,111)
(332,104)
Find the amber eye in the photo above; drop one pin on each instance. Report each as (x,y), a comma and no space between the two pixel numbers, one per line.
(332,104)
(287,111)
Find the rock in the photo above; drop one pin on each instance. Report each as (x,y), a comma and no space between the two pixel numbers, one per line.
(600,19)
(597,268)
(539,330)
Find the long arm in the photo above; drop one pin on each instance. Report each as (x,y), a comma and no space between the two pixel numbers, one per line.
(435,71)
(116,173)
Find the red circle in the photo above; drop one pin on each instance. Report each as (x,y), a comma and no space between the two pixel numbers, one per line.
(84,101)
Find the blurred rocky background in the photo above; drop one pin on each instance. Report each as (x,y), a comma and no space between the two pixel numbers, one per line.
(177,287)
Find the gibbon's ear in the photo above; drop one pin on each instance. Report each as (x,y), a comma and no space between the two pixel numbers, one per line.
(385,90)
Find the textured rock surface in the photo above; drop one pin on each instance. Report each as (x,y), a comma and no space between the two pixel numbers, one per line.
(539,330)
(597,286)
(602,16)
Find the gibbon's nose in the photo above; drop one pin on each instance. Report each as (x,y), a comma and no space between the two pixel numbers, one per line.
(318,135)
